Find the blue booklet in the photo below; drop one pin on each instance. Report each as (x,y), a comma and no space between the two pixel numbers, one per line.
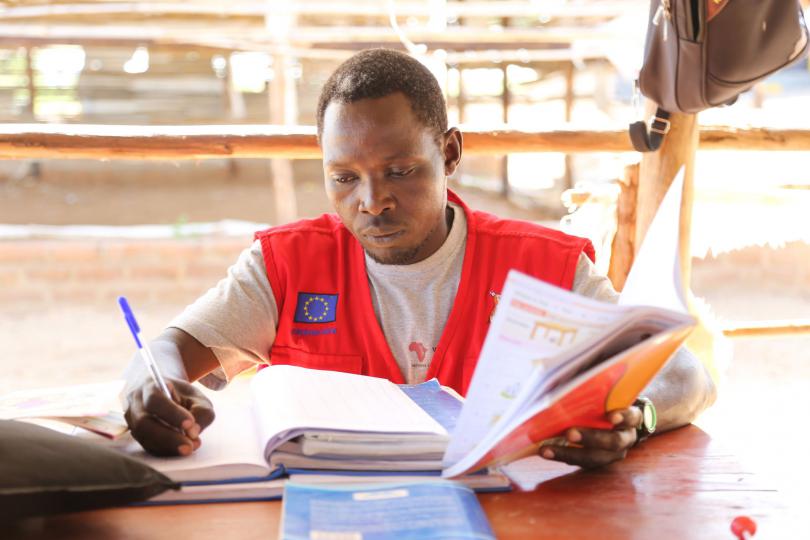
(401,510)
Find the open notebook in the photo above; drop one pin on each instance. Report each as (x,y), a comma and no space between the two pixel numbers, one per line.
(317,427)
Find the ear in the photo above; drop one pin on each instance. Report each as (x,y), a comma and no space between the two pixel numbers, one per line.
(453,143)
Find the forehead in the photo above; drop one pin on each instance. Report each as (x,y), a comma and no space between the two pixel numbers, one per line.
(376,127)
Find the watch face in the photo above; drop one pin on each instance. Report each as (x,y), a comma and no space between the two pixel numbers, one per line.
(650,417)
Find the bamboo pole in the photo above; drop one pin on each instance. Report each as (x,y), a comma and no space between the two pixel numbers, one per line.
(93,141)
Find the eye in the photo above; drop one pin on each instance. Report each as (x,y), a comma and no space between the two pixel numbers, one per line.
(343,178)
(401,173)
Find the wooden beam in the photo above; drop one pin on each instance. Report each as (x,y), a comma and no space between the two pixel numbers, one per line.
(256,10)
(93,141)
(522,56)
(302,36)
(767,328)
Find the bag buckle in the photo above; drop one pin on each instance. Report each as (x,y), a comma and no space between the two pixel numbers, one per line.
(660,125)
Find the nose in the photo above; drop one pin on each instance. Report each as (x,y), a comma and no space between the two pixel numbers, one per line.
(375,196)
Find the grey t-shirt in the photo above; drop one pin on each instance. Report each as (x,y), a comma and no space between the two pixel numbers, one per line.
(237,318)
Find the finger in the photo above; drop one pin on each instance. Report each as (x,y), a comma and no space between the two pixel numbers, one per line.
(613,440)
(203,414)
(156,437)
(587,458)
(197,404)
(157,404)
(630,417)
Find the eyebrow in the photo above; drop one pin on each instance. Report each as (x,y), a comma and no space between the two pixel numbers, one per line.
(392,157)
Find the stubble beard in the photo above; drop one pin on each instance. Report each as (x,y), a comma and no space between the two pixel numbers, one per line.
(407,255)
(402,256)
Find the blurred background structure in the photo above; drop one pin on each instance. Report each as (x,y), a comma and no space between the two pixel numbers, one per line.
(75,233)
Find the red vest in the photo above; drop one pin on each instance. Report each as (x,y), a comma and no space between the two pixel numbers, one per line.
(326,320)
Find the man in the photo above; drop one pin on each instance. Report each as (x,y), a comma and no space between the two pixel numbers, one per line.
(400,284)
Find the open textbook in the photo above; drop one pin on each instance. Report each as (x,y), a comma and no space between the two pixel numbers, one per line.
(316,427)
(553,359)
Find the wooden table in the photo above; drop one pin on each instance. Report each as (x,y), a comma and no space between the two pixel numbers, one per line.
(676,485)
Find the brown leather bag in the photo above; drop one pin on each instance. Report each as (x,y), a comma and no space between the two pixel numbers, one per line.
(704,53)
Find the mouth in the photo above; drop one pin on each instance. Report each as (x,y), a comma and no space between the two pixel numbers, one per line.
(382,237)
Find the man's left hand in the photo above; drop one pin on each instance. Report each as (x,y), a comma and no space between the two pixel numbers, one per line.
(589,448)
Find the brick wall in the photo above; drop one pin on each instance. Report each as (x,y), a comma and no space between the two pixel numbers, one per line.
(36,273)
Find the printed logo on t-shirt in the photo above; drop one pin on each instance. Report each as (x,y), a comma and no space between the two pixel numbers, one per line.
(315,308)
(419,349)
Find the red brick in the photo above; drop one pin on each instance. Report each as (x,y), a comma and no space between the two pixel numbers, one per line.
(20,250)
(171,273)
(10,277)
(22,296)
(178,295)
(48,274)
(73,251)
(206,271)
(226,247)
(75,295)
(98,273)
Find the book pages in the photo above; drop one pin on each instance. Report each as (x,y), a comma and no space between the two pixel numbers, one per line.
(534,324)
(316,400)
(655,277)
(545,342)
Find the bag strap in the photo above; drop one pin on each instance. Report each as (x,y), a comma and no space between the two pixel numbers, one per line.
(650,139)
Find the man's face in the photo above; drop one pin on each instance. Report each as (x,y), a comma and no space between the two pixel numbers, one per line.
(386,176)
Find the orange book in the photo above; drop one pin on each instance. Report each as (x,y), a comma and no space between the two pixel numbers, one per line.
(553,359)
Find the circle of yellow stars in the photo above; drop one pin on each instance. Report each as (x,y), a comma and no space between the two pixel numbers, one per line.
(325,308)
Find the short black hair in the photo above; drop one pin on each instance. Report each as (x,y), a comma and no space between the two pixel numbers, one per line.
(376,73)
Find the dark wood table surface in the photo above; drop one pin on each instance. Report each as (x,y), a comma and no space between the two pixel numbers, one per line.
(680,484)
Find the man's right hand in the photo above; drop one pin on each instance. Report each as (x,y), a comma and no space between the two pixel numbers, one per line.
(167,427)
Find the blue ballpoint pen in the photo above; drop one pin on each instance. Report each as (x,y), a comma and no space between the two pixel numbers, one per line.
(144,351)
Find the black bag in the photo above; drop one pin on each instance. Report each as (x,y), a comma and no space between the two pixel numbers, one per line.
(704,53)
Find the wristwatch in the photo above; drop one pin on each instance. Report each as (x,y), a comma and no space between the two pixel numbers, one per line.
(649,418)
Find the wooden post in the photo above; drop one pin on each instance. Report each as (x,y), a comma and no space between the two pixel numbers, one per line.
(658,170)
(233,98)
(569,108)
(283,110)
(505,103)
(623,251)
(461,101)
(32,87)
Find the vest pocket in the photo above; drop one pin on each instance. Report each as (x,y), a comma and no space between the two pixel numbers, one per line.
(347,363)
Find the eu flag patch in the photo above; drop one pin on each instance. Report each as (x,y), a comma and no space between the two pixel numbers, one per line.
(316,308)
